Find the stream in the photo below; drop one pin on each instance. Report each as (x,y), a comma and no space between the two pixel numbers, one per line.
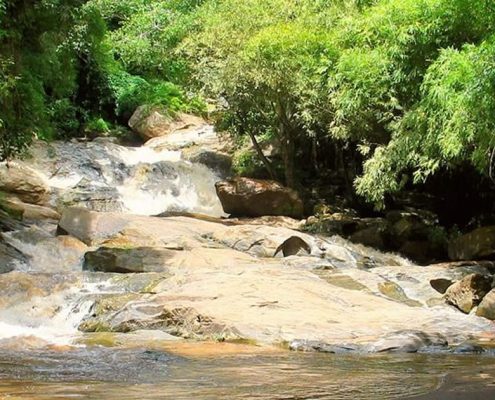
(215,321)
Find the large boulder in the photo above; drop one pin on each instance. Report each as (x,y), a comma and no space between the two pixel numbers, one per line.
(132,260)
(24,182)
(245,197)
(218,161)
(469,291)
(152,122)
(475,245)
(487,306)
(26,211)
(88,226)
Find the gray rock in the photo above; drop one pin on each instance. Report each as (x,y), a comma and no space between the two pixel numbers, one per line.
(441,285)
(133,260)
(407,342)
(321,347)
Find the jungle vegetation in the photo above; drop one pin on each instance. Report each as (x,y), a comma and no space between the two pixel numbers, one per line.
(405,87)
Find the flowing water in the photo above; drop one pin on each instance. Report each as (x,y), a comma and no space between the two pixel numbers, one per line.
(43,356)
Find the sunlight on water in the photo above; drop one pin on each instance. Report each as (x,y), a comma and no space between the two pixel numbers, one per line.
(100,373)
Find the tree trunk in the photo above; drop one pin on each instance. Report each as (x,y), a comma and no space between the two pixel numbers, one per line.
(288,151)
(266,162)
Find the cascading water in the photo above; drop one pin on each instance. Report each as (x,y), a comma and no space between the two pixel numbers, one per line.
(104,176)
(48,297)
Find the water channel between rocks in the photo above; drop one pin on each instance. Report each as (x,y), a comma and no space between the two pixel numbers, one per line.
(212,313)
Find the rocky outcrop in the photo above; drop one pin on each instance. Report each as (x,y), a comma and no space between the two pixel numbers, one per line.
(411,233)
(18,179)
(131,260)
(130,312)
(475,245)
(217,161)
(26,211)
(486,308)
(151,122)
(244,197)
(469,291)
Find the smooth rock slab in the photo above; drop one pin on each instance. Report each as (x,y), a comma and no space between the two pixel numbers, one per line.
(132,260)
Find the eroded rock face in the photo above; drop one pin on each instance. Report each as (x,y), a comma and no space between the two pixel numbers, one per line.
(18,179)
(131,260)
(244,197)
(130,312)
(469,291)
(154,122)
(27,211)
(475,245)
(486,308)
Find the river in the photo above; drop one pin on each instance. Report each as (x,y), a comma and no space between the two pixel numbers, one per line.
(217,318)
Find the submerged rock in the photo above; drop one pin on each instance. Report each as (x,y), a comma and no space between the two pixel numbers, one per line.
(468,292)
(475,245)
(407,342)
(321,347)
(244,197)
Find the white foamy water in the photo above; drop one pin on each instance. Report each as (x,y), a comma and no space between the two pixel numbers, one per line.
(143,155)
(30,320)
(142,180)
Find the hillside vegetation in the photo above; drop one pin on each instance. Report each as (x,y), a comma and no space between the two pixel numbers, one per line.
(392,91)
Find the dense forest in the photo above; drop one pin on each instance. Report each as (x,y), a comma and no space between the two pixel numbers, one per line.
(396,93)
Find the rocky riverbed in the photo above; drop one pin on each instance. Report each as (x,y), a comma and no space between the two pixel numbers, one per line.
(87,261)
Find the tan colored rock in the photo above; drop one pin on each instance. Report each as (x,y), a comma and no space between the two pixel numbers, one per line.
(24,182)
(27,211)
(468,292)
(475,245)
(154,122)
(486,308)
(245,197)
(90,227)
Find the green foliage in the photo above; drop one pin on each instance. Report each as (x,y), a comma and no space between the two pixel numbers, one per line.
(130,92)
(247,163)
(97,126)
(147,34)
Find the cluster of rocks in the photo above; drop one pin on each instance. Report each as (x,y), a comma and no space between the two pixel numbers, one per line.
(475,293)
